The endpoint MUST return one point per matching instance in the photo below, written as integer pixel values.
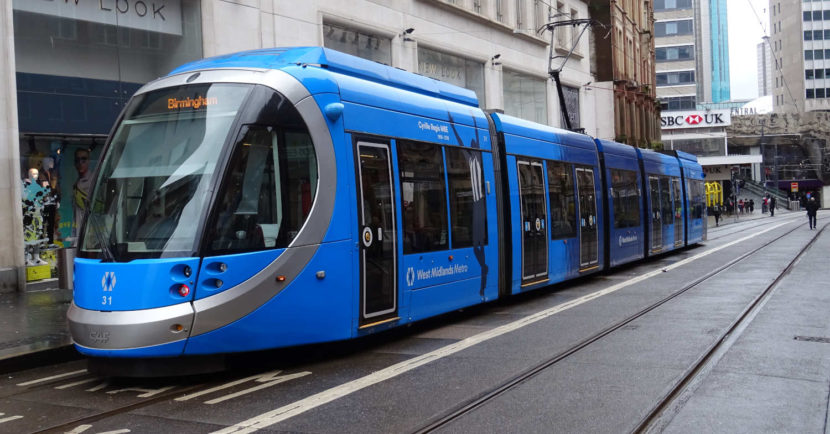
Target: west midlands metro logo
(108, 281)
(410, 276)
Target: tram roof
(521, 127)
(278, 58)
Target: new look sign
(695, 119)
(161, 16)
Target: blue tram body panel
(139, 284)
(624, 244)
(313, 290)
(695, 209)
(663, 167)
(527, 142)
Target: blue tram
(282, 197)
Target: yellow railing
(714, 194)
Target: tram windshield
(154, 183)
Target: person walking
(812, 209)
(772, 206)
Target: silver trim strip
(128, 329)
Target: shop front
(77, 64)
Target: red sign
(794, 187)
(694, 119)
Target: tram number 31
(106, 300)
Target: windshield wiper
(106, 253)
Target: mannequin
(33, 200)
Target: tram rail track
(481, 399)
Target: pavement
(33, 328)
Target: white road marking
(77, 383)
(43, 380)
(10, 418)
(98, 387)
(276, 381)
(288, 411)
(118, 431)
(268, 376)
(79, 429)
(147, 392)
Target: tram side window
(626, 198)
(267, 193)
(697, 199)
(665, 201)
(468, 213)
(562, 200)
(423, 197)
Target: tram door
(678, 212)
(534, 217)
(378, 261)
(588, 234)
(656, 223)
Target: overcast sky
(745, 33)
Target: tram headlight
(184, 290)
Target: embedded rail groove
(660, 415)
(481, 399)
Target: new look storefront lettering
(161, 16)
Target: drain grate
(812, 339)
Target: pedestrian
(740, 206)
(772, 206)
(716, 213)
(812, 208)
(751, 206)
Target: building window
(818, 54)
(827, 14)
(811, 94)
(816, 15)
(820, 93)
(817, 35)
(808, 54)
(808, 74)
(452, 69)
(678, 103)
(819, 73)
(673, 28)
(675, 78)
(671, 5)
(808, 35)
(669, 54)
(807, 16)
(525, 97)
(571, 95)
(357, 43)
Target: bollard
(66, 267)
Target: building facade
(764, 58)
(692, 53)
(73, 65)
(624, 66)
(801, 45)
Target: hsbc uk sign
(695, 119)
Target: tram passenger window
(267, 192)
(562, 200)
(626, 197)
(468, 213)
(665, 201)
(423, 197)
